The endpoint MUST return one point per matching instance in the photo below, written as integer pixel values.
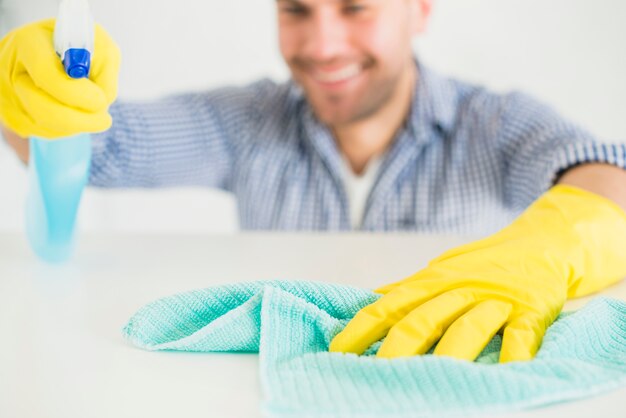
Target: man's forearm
(603, 179)
(20, 145)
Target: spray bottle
(59, 168)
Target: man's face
(349, 55)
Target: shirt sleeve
(538, 145)
(183, 140)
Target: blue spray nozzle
(77, 62)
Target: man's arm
(568, 243)
(181, 140)
(536, 143)
(19, 145)
(603, 179)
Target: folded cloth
(291, 324)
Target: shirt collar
(431, 116)
(433, 105)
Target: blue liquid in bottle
(58, 174)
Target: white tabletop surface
(61, 349)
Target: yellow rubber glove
(568, 243)
(39, 99)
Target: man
(365, 137)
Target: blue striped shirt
(466, 160)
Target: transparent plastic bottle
(59, 168)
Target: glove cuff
(598, 226)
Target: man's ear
(420, 13)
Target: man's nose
(327, 36)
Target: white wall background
(570, 53)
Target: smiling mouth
(336, 76)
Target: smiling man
(355, 63)
(364, 137)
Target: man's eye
(353, 8)
(294, 11)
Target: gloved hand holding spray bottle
(59, 169)
(57, 80)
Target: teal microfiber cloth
(291, 324)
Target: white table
(62, 353)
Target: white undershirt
(358, 188)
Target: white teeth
(338, 75)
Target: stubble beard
(373, 98)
